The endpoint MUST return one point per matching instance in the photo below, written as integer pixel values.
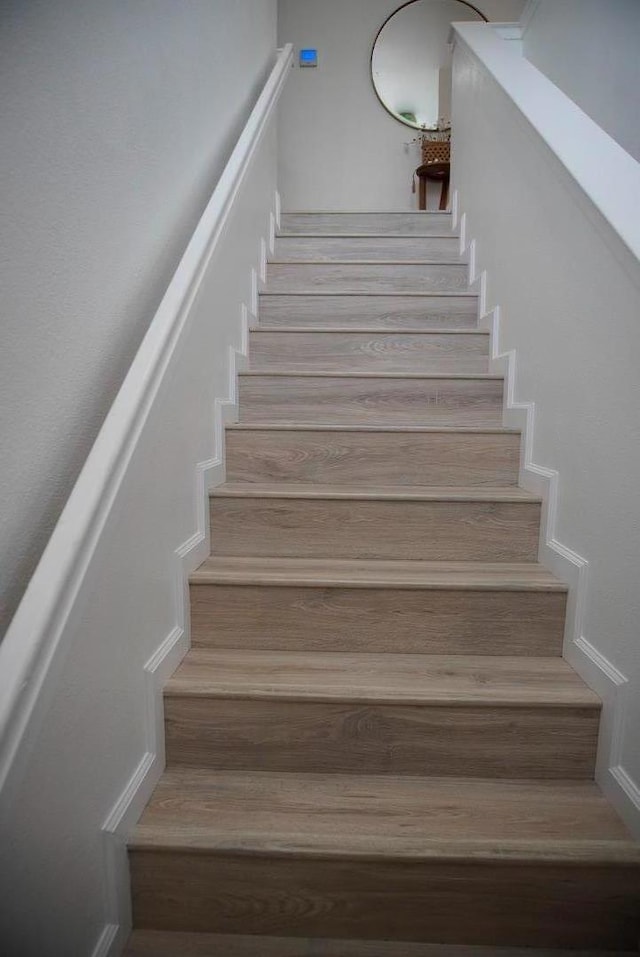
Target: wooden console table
(435, 171)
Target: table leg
(422, 192)
(444, 193)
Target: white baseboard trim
(108, 941)
(254, 291)
(454, 211)
(263, 260)
(278, 209)
(475, 281)
(128, 807)
(623, 784)
(462, 245)
(272, 233)
(596, 670)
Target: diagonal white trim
(601, 674)
(108, 942)
(278, 210)
(130, 803)
(629, 786)
(38, 628)
(599, 660)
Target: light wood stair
(365, 224)
(373, 455)
(397, 606)
(361, 249)
(357, 855)
(386, 311)
(356, 398)
(367, 277)
(374, 746)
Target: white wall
(560, 245)
(116, 118)
(339, 148)
(80, 752)
(591, 50)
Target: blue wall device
(308, 57)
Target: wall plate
(308, 57)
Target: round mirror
(411, 61)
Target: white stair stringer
(599, 673)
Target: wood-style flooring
(374, 746)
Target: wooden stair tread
(366, 262)
(412, 294)
(366, 248)
(341, 311)
(328, 290)
(426, 214)
(383, 816)
(355, 374)
(338, 223)
(332, 427)
(428, 680)
(368, 276)
(341, 268)
(362, 573)
(368, 330)
(159, 943)
(435, 493)
(287, 234)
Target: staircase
(374, 746)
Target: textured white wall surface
(591, 50)
(339, 148)
(560, 246)
(117, 118)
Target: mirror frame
(413, 126)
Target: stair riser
(367, 352)
(343, 528)
(373, 458)
(535, 905)
(310, 400)
(328, 737)
(407, 224)
(385, 312)
(154, 943)
(301, 249)
(359, 278)
(412, 621)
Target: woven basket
(435, 151)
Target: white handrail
(606, 173)
(39, 623)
